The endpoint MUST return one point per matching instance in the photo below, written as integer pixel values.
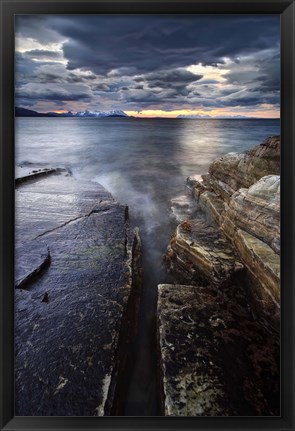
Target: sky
(149, 65)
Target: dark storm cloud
(47, 72)
(25, 102)
(260, 74)
(162, 86)
(100, 87)
(246, 98)
(269, 79)
(47, 78)
(76, 78)
(155, 95)
(175, 78)
(36, 27)
(102, 43)
(143, 98)
(143, 59)
(28, 70)
(43, 53)
(53, 92)
(24, 65)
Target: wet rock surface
(219, 319)
(26, 174)
(32, 258)
(77, 262)
(216, 359)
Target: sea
(144, 163)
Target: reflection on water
(143, 163)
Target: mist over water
(143, 163)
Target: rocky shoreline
(77, 282)
(219, 319)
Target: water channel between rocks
(144, 164)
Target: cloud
(122, 71)
(142, 97)
(103, 43)
(54, 92)
(24, 63)
(44, 55)
(37, 28)
(143, 61)
(100, 87)
(177, 78)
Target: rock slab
(74, 314)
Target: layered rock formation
(228, 249)
(244, 169)
(199, 252)
(77, 280)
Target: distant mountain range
(218, 117)
(23, 112)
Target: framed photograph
(147, 215)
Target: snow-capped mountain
(194, 116)
(218, 117)
(115, 113)
(22, 112)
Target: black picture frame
(286, 9)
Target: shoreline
(211, 276)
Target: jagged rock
(244, 169)
(194, 180)
(198, 252)
(215, 359)
(257, 211)
(183, 207)
(212, 205)
(218, 187)
(262, 262)
(218, 342)
(196, 184)
(254, 210)
(74, 320)
(251, 222)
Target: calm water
(144, 163)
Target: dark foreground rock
(219, 323)
(216, 359)
(76, 297)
